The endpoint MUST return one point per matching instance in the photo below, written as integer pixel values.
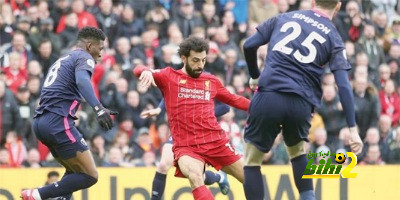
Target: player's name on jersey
(312, 22)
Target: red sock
(202, 193)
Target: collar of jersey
(320, 13)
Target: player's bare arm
(146, 79)
(355, 141)
(150, 113)
(153, 112)
(145, 75)
(253, 84)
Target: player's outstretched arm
(86, 89)
(153, 112)
(233, 100)
(347, 101)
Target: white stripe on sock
(36, 194)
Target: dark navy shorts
(273, 112)
(59, 134)
(169, 141)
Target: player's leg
(297, 155)
(166, 162)
(253, 184)
(193, 169)
(295, 131)
(84, 175)
(68, 145)
(222, 156)
(220, 177)
(68, 171)
(263, 125)
(235, 170)
(211, 177)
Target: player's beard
(191, 72)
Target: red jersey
(14, 79)
(190, 105)
(390, 105)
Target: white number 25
(281, 45)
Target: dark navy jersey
(301, 45)
(60, 94)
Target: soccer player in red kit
(189, 98)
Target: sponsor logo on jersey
(193, 93)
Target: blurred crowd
(34, 33)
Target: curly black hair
(193, 43)
(91, 33)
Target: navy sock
(211, 178)
(68, 196)
(67, 185)
(158, 186)
(253, 184)
(299, 165)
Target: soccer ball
(340, 158)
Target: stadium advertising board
(372, 182)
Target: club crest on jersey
(90, 62)
(207, 85)
(182, 81)
(83, 142)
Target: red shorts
(217, 154)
